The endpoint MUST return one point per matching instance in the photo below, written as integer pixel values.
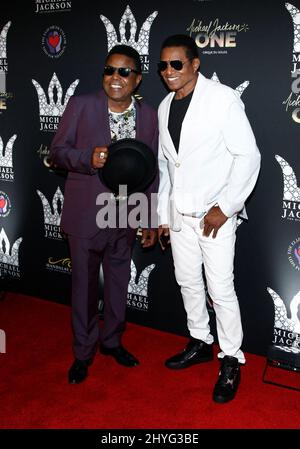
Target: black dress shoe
(228, 381)
(79, 371)
(121, 355)
(196, 351)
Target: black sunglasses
(122, 71)
(176, 64)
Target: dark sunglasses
(176, 64)
(122, 71)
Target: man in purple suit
(88, 126)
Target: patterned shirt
(122, 124)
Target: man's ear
(138, 79)
(196, 64)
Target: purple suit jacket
(84, 126)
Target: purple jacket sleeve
(64, 152)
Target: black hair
(182, 40)
(128, 51)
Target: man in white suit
(209, 163)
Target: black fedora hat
(130, 162)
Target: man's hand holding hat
(99, 157)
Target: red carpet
(34, 392)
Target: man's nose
(116, 75)
(169, 69)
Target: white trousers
(190, 250)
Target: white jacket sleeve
(240, 142)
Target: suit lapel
(184, 144)
(138, 124)
(169, 140)
(102, 125)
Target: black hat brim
(130, 162)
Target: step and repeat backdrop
(53, 49)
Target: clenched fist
(99, 157)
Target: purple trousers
(112, 248)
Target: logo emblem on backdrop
(239, 90)
(51, 111)
(52, 215)
(3, 36)
(48, 6)
(3, 67)
(215, 35)
(294, 253)
(6, 162)
(137, 296)
(292, 102)
(9, 257)
(291, 191)
(5, 204)
(59, 265)
(286, 330)
(44, 153)
(141, 44)
(54, 41)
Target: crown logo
(141, 287)
(3, 36)
(295, 14)
(6, 156)
(51, 108)
(239, 90)
(52, 215)
(291, 191)
(8, 256)
(281, 320)
(142, 44)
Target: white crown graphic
(3, 36)
(52, 218)
(239, 90)
(295, 14)
(7, 256)
(291, 191)
(142, 44)
(281, 320)
(141, 287)
(6, 156)
(52, 108)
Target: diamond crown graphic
(239, 90)
(295, 14)
(6, 156)
(291, 191)
(7, 256)
(281, 320)
(52, 218)
(51, 108)
(3, 36)
(142, 44)
(141, 287)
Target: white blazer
(217, 161)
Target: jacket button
(177, 164)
